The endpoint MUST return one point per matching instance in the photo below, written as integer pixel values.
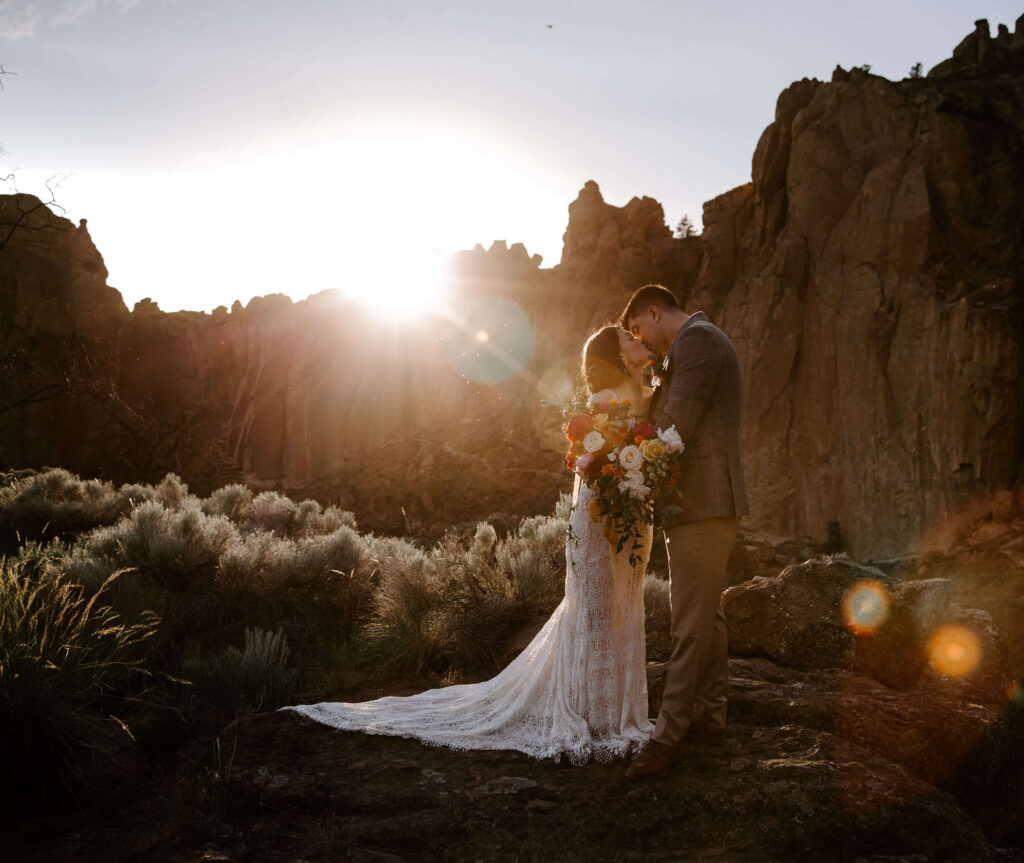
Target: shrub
(68, 665)
(533, 558)
(242, 681)
(56, 503)
(232, 501)
(563, 508)
(451, 606)
(306, 514)
(478, 605)
(402, 627)
(657, 616)
(178, 548)
(311, 583)
(273, 512)
(335, 663)
(331, 519)
(266, 563)
(171, 492)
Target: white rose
(631, 458)
(670, 437)
(632, 481)
(593, 441)
(602, 397)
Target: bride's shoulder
(604, 396)
(638, 401)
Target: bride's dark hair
(602, 366)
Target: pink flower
(584, 461)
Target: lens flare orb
(954, 651)
(488, 339)
(865, 607)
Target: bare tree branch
(21, 223)
(15, 370)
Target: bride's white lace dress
(579, 690)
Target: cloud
(71, 10)
(18, 19)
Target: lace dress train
(579, 690)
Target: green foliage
(685, 228)
(69, 664)
(241, 681)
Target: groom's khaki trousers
(697, 675)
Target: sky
(225, 149)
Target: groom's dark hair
(648, 295)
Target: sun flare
(370, 212)
(399, 288)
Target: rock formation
(979, 52)
(870, 275)
(275, 393)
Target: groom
(700, 395)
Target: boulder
(831, 613)
(796, 617)
(896, 651)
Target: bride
(579, 690)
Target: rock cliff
(870, 276)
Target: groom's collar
(694, 318)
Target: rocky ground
(817, 765)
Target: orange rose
(577, 427)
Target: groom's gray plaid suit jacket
(700, 395)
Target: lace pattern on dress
(579, 690)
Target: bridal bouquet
(627, 462)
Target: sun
(397, 287)
(370, 209)
(407, 196)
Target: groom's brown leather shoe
(652, 762)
